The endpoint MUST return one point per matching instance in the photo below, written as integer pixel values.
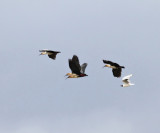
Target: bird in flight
(126, 81)
(77, 70)
(51, 54)
(116, 68)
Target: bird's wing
(111, 63)
(51, 51)
(74, 65)
(52, 56)
(43, 50)
(117, 72)
(126, 81)
(83, 67)
(127, 77)
(71, 65)
(107, 62)
(75, 60)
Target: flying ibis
(116, 68)
(77, 70)
(51, 54)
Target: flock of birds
(78, 71)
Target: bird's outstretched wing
(111, 63)
(52, 56)
(51, 51)
(75, 60)
(43, 50)
(117, 72)
(71, 65)
(74, 65)
(127, 77)
(83, 67)
(107, 62)
(126, 81)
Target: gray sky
(34, 95)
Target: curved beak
(66, 75)
(67, 78)
(106, 66)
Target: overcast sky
(34, 95)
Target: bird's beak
(67, 78)
(106, 66)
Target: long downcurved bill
(43, 53)
(68, 74)
(106, 66)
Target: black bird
(77, 70)
(51, 54)
(116, 68)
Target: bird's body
(77, 70)
(51, 54)
(116, 68)
(126, 81)
(72, 76)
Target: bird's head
(107, 65)
(43, 53)
(68, 74)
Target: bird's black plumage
(111, 63)
(51, 54)
(116, 68)
(75, 66)
(117, 72)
